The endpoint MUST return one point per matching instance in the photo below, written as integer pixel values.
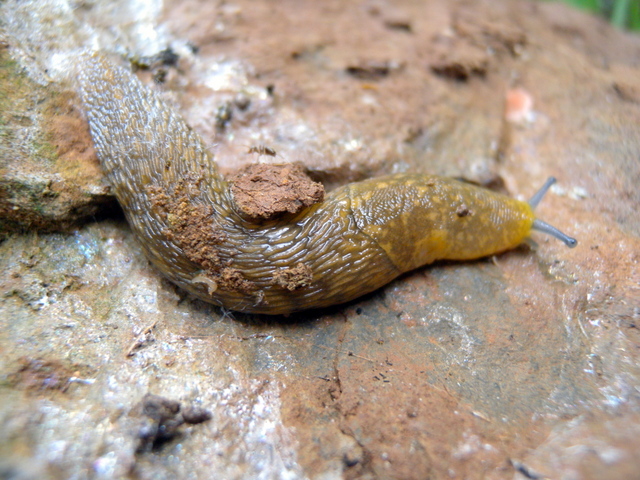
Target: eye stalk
(544, 227)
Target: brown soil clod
(192, 227)
(161, 419)
(263, 191)
(233, 280)
(294, 278)
(190, 224)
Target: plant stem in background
(620, 13)
(634, 16)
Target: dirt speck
(464, 211)
(263, 191)
(372, 69)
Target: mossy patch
(49, 175)
(20, 100)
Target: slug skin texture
(359, 238)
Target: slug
(360, 237)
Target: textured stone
(489, 369)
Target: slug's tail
(544, 227)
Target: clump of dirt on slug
(264, 191)
(294, 278)
(191, 226)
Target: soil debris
(490, 33)
(144, 337)
(472, 46)
(161, 419)
(263, 191)
(232, 279)
(399, 24)
(372, 69)
(294, 278)
(190, 224)
(164, 58)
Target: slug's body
(359, 238)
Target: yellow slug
(359, 238)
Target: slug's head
(544, 227)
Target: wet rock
(50, 179)
(492, 368)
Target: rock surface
(525, 365)
(50, 178)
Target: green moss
(44, 150)
(10, 75)
(11, 82)
(20, 99)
